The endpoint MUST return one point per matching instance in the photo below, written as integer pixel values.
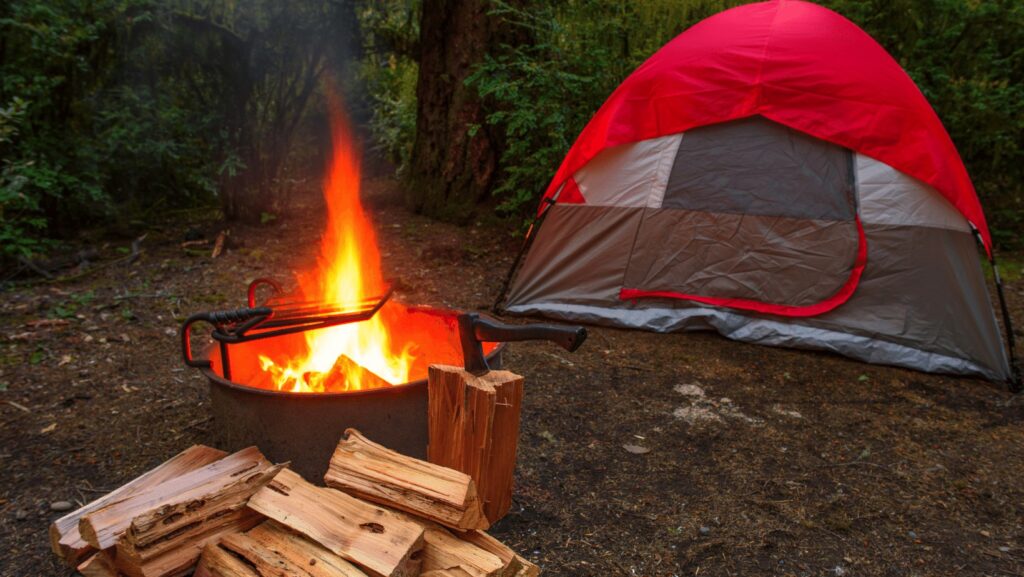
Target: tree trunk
(453, 166)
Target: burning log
(66, 540)
(382, 543)
(347, 375)
(474, 428)
(270, 550)
(374, 473)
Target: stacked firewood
(211, 514)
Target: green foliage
(392, 89)
(81, 140)
(112, 110)
(49, 51)
(543, 92)
(389, 73)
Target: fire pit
(303, 427)
(291, 372)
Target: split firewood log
(179, 560)
(474, 428)
(102, 527)
(99, 564)
(375, 473)
(455, 572)
(515, 565)
(443, 551)
(271, 550)
(381, 542)
(66, 540)
(301, 550)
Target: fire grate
(276, 317)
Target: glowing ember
(348, 271)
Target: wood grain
(375, 473)
(474, 428)
(102, 527)
(381, 542)
(66, 540)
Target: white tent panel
(887, 196)
(629, 175)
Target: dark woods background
(115, 112)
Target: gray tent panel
(629, 175)
(580, 254)
(790, 261)
(756, 166)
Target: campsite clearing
(816, 464)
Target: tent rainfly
(774, 175)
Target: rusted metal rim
(219, 380)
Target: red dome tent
(772, 174)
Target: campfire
(344, 333)
(291, 371)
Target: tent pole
(531, 233)
(1016, 383)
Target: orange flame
(348, 272)
(394, 347)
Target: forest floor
(741, 459)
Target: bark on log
(382, 543)
(474, 428)
(66, 540)
(374, 473)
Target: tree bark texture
(453, 166)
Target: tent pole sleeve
(1016, 381)
(531, 233)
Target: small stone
(689, 390)
(1004, 549)
(912, 534)
(705, 531)
(21, 515)
(60, 506)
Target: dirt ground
(642, 454)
